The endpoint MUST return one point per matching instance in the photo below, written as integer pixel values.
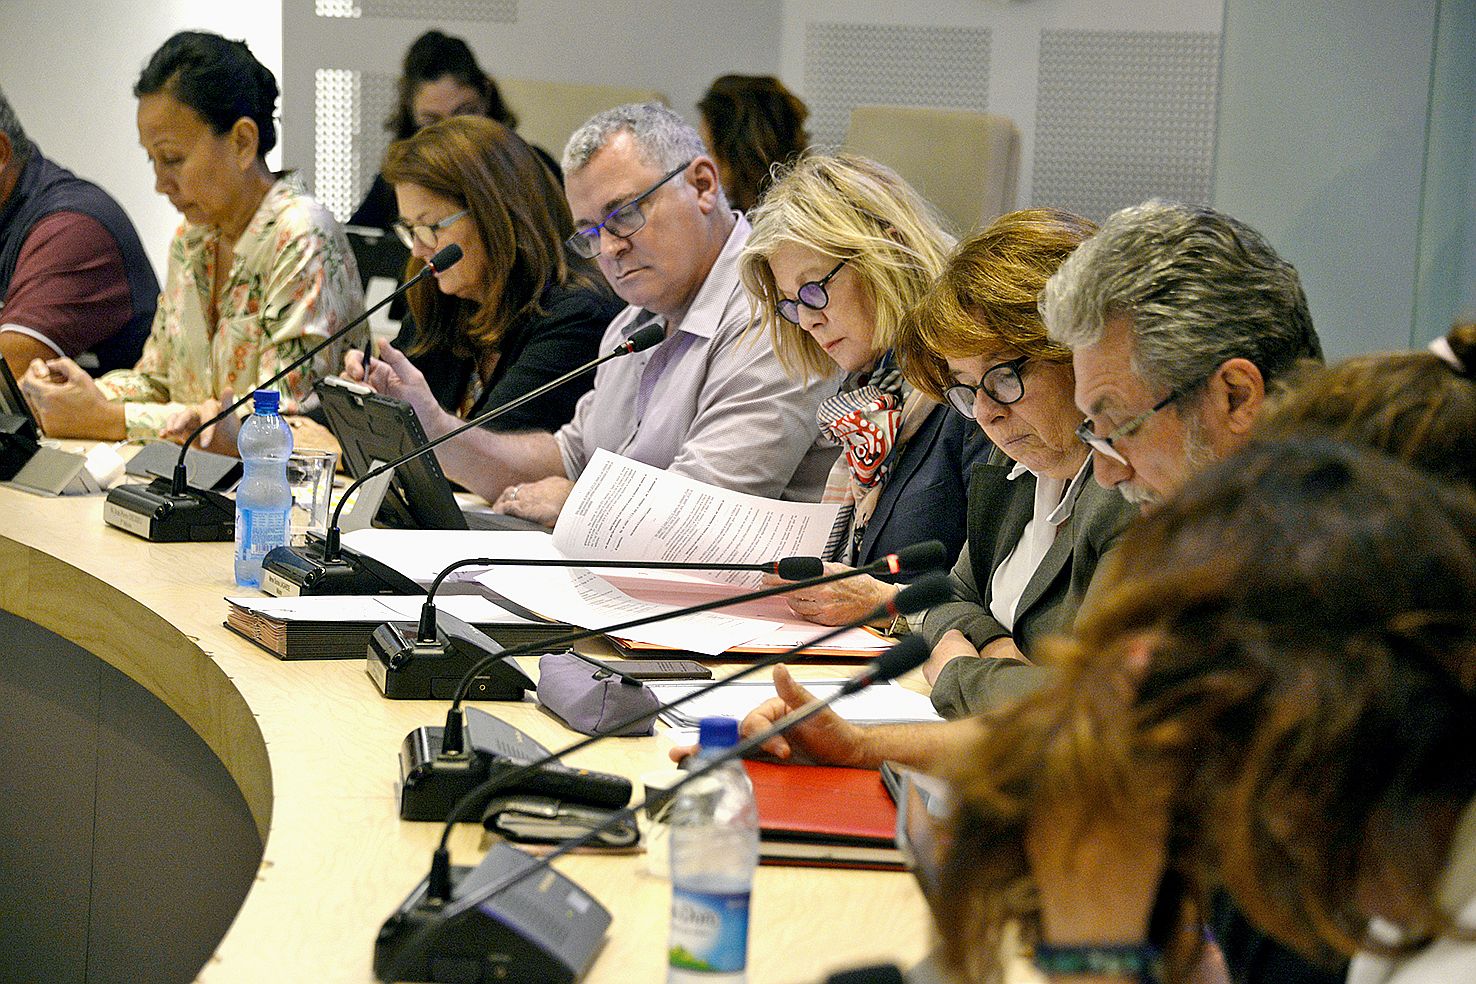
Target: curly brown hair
(1307, 703)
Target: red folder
(825, 816)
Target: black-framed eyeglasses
(1105, 444)
(411, 233)
(1001, 383)
(623, 222)
(812, 295)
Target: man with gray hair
(1177, 317)
(73, 277)
(711, 401)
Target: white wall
(69, 71)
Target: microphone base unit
(544, 928)
(159, 515)
(404, 668)
(431, 783)
(293, 571)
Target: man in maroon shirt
(73, 277)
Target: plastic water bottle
(714, 849)
(264, 497)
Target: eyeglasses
(1104, 444)
(1001, 383)
(812, 295)
(425, 235)
(624, 222)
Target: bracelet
(1140, 960)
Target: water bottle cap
(266, 401)
(717, 732)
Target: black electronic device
(20, 434)
(546, 820)
(664, 669)
(546, 930)
(170, 510)
(405, 668)
(302, 570)
(372, 429)
(432, 782)
(336, 565)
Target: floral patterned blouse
(293, 281)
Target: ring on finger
(512, 493)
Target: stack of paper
(886, 703)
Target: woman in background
(258, 273)
(516, 311)
(750, 123)
(440, 79)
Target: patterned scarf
(869, 423)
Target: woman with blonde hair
(841, 248)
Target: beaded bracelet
(1140, 960)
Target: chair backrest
(965, 163)
(549, 112)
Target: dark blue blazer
(926, 495)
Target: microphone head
(645, 338)
(906, 655)
(799, 568)
(920, 557)
(445, 257)
(930, 590)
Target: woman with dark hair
(1276, 696)
(440, 79)
(258, 272)
(750, 123)
(516, 310)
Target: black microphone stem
(491, 786)
(481, 664)
(800, 714)
(180, 481)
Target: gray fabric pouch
(590, 700)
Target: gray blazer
(998, 513)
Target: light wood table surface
(313, 748)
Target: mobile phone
(663, 669)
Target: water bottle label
(709, 931)
(260, 530)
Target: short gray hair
(664, 138)
(1198, 287)
(10, 125)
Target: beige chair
(965, 163)
(548, 112)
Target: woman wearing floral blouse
(258, 272)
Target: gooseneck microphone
(930, 590)
(170, 510)
(446, 769)
(427, 927)
(430, 642)
(327, 570)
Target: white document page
(576, 596)
(626, 510)
(422, 554)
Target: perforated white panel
(349, 135)
(430, 11)
(1123, 116)
(849, 65)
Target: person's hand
(394, 375)
(219, 437)
(539, 502)
(67, 402)
(826, 738)
(838, 602)
(951, 646)
(353, 362)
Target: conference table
(312, 748)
